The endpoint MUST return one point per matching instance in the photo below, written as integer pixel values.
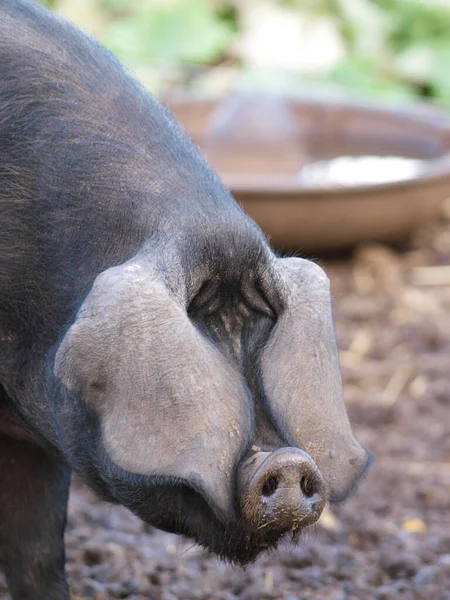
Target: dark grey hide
(150, 339)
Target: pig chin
(271, 494)
(181, 510)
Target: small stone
(295, 574)
(301, 558)
(93, 588)
(402, 585)
(400, 565)
(312, 576)
(414, 525)
(444, 561)
(256, 592)
(443, 547)
(342, 573)
(439, 544)
(349, 587)
(154, 578)
(385, 592)
(92, 555)
(374, 577)
(426, 575)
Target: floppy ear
(302, 380)
(168, 401)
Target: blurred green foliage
(413, 57)
(186, 31)
(393, 48)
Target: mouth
(175, 506)
(241, 545)
(183, 511)
(237, 541)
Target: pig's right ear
(301, 376)
(168, 402)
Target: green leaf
(366, 25)
(47, 3)
(361, 74)
(415, 63)
(186, 31)
(114, 5)
(415, 22)
(439, 76)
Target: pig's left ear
(302, 380)
(168, 402)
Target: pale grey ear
(302, 380)
(168, 402)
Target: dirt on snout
(391, 540)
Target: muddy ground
(392, 538)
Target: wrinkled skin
(150, 339)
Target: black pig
(150, 340)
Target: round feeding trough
(324, 175)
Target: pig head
(217, 404)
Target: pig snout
(281, 490)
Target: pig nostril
(270, 486)
(308, 487)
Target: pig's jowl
(150, 339)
